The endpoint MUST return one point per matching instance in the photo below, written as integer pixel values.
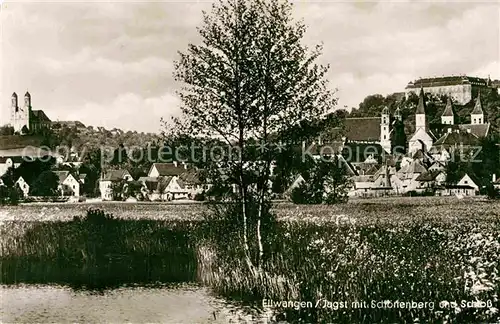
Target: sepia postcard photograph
(249, 161)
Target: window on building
(385, 136)
(479, 120)
(474, 120)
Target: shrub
(95, 216)
(492, 192)
(306, 194)
(199, 197)
(8, 195)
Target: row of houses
(69, 183)
(164, 181)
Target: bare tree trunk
(246, 248)
(259, 234)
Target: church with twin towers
(24, 119)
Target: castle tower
(448, 117)
(385, 139)
(477, 114)
(420, 120)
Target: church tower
(20, 116)
(385, 138)
(14, 104)
(398, 135)
(477, 114)
(420, 120)
(27, 100)
(398, 117)
(421, 140)
(448, 117)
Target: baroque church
(24, 119)
(427, 135)
(369, 138)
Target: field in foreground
(443, 253)
(380, 208)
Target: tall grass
(98, 250)
(394, 253)
(353, 253)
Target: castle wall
(461, 93)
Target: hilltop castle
(24, 119)
(461, 88)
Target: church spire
(448, 117)
(420, 118)
(477, 114)
(478, 107)
(421, 103)
(448, 111)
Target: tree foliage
(45, 184)
(249, 82)
(326, 182)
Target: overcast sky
(110, 64)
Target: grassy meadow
(423, 250)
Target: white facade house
(107, 180)
(69, 184)
(9, 162)
(23, 185)
(166, 181)
(465, 187)
(467, 181)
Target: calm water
(168, 304)
(111, 272)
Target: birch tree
(249, 81)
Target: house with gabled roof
(431, 179)
(69, 183)
(7, 162)
(24, 185)
(468, 185)
(437, 166)
(362, 186)
(409, 174)
(110, 177)
(166, 169)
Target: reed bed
(102, 251)
(417, 250)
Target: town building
(23, 184)
(168, 181)
(465, 187)
(69, 184)
(110, 177)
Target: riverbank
(372, 251)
